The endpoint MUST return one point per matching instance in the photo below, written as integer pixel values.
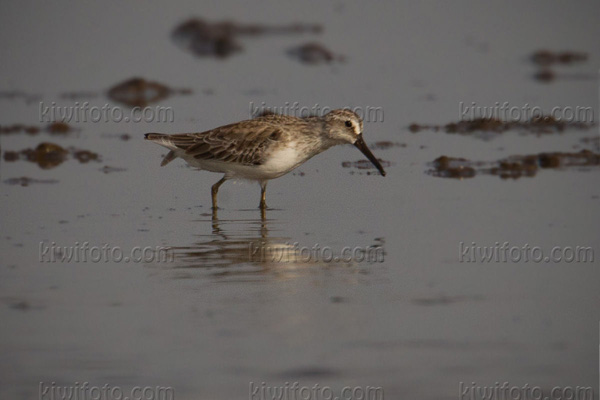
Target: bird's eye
(349, 124)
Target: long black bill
(362, 146)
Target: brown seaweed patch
(46, 155)
(537, 125)
(55, 128)
(544, 75)
(517, 167)
(584, 158)
(547, 57)
(59, 128)
(366, 165)
(415, 128)
(50, 155)
(512, 167)
(138, 92)
(25, 181)
(478, 124)
(451, 167)
(18, 128)
(593, 142)
(220, 39)
(544, 59)
(314, 53)
(85, 156)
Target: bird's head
(345, 126)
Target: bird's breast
(283, 159)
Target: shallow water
(416, 321)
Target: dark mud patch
(314, 53)
(365, 167)
(444, 300)
(338, 299)
(78, 95)
(25, 181)
(20, 304)
(122, 136)
(513, 167)
(55, 128)
(221, 39)
(10, 156)
(139, 92)
(20, 95)
(108, 169)
(308, 373)
(487, 128)
(50, 155)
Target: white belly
(280, 161)
(283, 160)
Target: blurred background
(423, 320)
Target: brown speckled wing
(244, 143)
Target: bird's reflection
(242, 248)
(255, 247)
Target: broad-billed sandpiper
(265, 147)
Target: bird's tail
(154, 136)
(162, 139)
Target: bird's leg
(263, 195)
(215, 190)
(263, 218)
